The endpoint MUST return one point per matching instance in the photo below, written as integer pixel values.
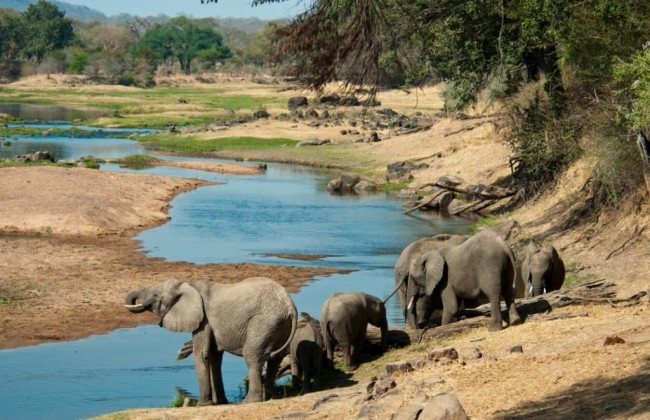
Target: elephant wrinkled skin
(416, 249)
(254, 318)
(307, 351)
(344, 319)
(542, 270)
(483, 265)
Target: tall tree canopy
(47, 29)
(182, 39)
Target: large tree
(181, 39)
(47, 29)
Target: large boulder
(297, 102)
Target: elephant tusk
(138, 306)
(410, 305)
(530, 291)
(545, 290)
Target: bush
(78, 62)
(542, 144)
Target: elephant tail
(401, 282)
(294, 326)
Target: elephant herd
(257, 319)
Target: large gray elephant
(307, 350)
(483, 265)
(543, 270)
(344, 319)
(254, 318)
(425, 306)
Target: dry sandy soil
(67, 258)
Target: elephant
(254, 318)
(401, 273)
(307, 351)
(483, 265)
(344, 319)
(543, 270)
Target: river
(242, 219)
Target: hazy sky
(223, 8)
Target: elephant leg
(449, 305)
(357, 348)
(347, 356)
(307, 372)
(295, 373)
(255, 388)
(272, 367)
(495, 314)
(513, 315)
(203, 368)
(218, 390)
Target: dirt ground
(67, 258)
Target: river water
(243, 219)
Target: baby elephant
(344, 319)
(542, 270)
(307, 354)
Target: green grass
(393, 186)
(138, 161)
(169, 141)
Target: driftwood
(439, 200)
(481, 195)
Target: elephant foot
(495, 327)
(203, 403)
(516, 321)
(252, 399)
(351, 368)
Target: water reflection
(243, 219)
(31, 112)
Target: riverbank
(565, 369)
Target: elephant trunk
(538, 285)
(133, 297)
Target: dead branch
(485, 196)
(636, 234)
(426, 202)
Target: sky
(194, 8)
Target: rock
(324, 399)
(330, 99)
(450, 180)
(261, 113)
(403, 366)
(614, 339)
(296, 102)
(364, 186)
(313, 142)
(443, 352)
(374, 137)
(413, 409)
(377, 388)
(470, 354)
(325, 114)
(343, 184)
(443, 406)
(349, 101)
(517, 349)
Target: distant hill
(71, 10)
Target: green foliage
(90, 162)
(182, 39)
(47, 29)
(543, 146)
(633, 82)
(138, 161)
(196, 145)
(78, 61)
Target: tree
(47, 29)
(182, 39)
(13, 34)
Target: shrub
(542, 145)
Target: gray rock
(443, 407)
(442, 353)
(313, 142)
(297, 101)
(364, 186)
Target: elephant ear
(186, 314)
(435, 267)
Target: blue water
(242, 219)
